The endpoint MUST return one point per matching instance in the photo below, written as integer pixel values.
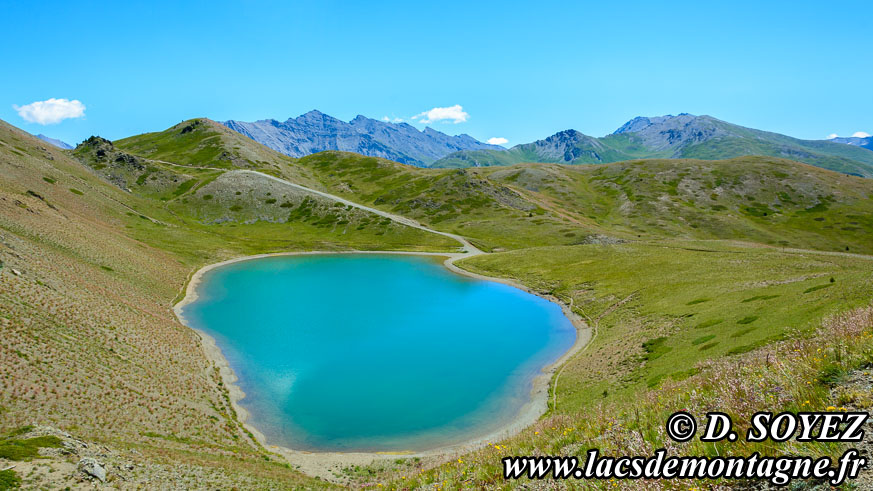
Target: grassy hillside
(747, 141)
(460, 201)
(203, 142)
(211, 204)
(90, 345)
(766, 200)
(679, 265)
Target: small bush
(748, 319)
(76, 191)
(655, 348)
(702, 339)
(816, 288)
(759, 297)
(709, 323)
(9, 480)
(743, 332)
(742, 349)
(831, 374)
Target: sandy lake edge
(324, 464)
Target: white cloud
(497, 140)
(454, 114)
(860, 134)
(392, 120)
(51, 111)
(832, 136)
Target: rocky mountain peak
(569, 136)
(668, 132)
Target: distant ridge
(316, 132)
(866, 142)
(55, 142)
(681, 136)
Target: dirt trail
(469, 249)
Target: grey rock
(91, 467)
(601, 240)
(315, 132)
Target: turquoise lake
(376, 352)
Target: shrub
(831, 374)
(697, 301)
(655, 348)
(9, 480)
(702, 339)
(816, 288)
(709, 323)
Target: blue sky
(520, 70)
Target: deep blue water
(376, 352)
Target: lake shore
(324, 464)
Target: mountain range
(316, 132)
(55, 142)
(682, 136)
